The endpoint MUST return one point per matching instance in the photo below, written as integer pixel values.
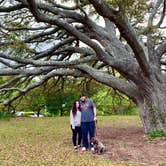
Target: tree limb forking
(45, 78)
(103, 56)
(126, 31)
(80, 71)
(43, 18)
(123, 86)
(48, 63)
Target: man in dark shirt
(88, 117)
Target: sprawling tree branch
(23, 28)
(126, 31)
(123, 86)
(53, 73)
(11, 8)
(49, 63)
(162, 15)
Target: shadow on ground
(130, 144)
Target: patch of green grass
(119, 120)
(5, 116)
(155, 134)
(47, 142)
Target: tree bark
(152, 105)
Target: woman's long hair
(74, 108)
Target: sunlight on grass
(119, 120)
(47, 142)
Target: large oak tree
(96, 39)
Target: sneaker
(83, 148)
(75, 147)
(78, 146)
(92, 149)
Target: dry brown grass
(47, 142)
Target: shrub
(4, 115)
(155, 134)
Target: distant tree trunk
(38, 113)
(61, 112)
(152, 106)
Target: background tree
(92, 39)
(31, 102)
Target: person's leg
(91, 130)
(84, 129)
(74, 136)
(79, 135)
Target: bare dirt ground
(129, 144)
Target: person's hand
(73, 127)
(95, 118)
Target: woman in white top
(75, 121)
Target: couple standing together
(82, 120)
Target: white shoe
(83, 148)
(75, 148)
(92, 149)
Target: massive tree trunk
(152, 105)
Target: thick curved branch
(12, 8)
(100, 53)
(26, 72)
(6, 63)
(108, 79)
(60, 23)
(49, 63)
(55, 10)
(82, 50)
(126, 31)
(162, 15)
(60, 72)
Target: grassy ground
(47, 142)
